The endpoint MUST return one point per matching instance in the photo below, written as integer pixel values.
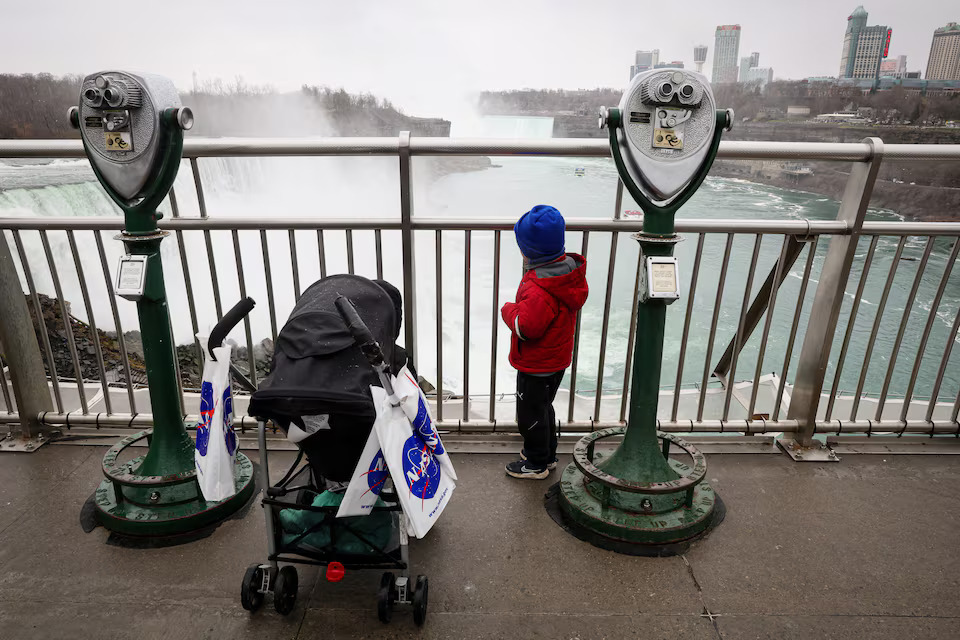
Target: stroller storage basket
(318, 393)
(297, 493)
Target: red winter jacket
(543, 319)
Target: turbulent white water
(368, 188)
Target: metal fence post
(22, 352)
(406, 234)
(821, 328)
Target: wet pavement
(867, 548)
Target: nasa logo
(206, 416)
(420, 468)
(424, 426)
(377, 474)
(229, 435)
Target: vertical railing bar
(824, 316)
(741, 326)
(625, 393)
(202, 203)
(439, 271)
(3, 387)
(956, 403)
(91, 321)
(718, 301)
(176, 365)
(944, 361)
(251, 359)
(850, 325)
(611, 267)
(41, 325)
(876, 326)
(349, 240)
(174, 207)
(271, 304)
(688, 315)
(771, 308)
(788, 356)
(294, 263)
(931, 318)
(907, 308)
(214, 281)
(378, 240)
(187, 280)
(495, 325)
(108, 281)
(407, 244)
(466, 325)
(67, 328)
(175, 211)
(576, 341)
(197, 183)
(618, 201)
(322, 251)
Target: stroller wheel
(250, 597)
(385, 597)
(285, 590)
(420, 594)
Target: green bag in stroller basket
(375, 527)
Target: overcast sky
(427, 55)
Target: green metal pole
(171, 448)
(638, 458)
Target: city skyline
(430, 57)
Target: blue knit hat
(540, 233)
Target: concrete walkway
(867, 548)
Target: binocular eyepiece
(121, 117)
(665, 125)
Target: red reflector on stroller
(335, 572)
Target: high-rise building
(944, 60)
(676, 64)
(894, 67)
(644, 60)
(700, 56)
(726, 49)
(758, 76)
(746, 63)
(864, 48)
(755, 59)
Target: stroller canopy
(317, 367)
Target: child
(542, 322)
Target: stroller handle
(361, 334)
(230, 319)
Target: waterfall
(513, 127)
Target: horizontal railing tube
(832, 427)
(437, 146)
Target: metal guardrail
(798, 239)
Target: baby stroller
(318, 393)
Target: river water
(367, 187)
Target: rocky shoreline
(924, 203)
(189, 356)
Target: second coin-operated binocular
(663, 132)
(125, 120)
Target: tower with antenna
(700, 56)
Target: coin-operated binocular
(132, 130)
(664, 138)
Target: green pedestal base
(175, 509)
(582, 508)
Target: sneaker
(551, 466)
(525, 470)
